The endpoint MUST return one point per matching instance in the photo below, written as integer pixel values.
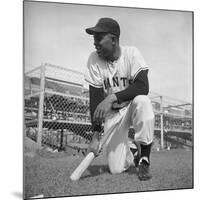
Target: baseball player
(118, 88)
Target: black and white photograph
(107, 99)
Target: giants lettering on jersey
(116, 82)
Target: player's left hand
(95, 144)
(103, 108)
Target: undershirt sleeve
(139, 86)
(96, 97)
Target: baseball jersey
(114, 76)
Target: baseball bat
(88, 159)
(82, 167)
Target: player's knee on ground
(115, 170)
(116, 165)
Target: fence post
(41, 103)
(161, 123)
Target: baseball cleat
(143, 173)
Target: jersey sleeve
(92, 73)
(137, 62)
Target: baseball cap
(105, 25)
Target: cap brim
(94, 30)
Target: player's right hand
(118, 106)
(103, 108)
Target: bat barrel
(82, 167)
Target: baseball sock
(145, 153)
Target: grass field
(48, 173)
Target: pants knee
(142, 99)
(115, 166)
(115, 170)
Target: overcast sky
(55, 33)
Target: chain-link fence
(57, 111)
(57, 108)
(32, 81)
(173, 121)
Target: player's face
(104, 45)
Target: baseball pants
(139, 114)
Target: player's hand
(118, 106)
(95, 144)
(103, 108)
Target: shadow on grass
(96, 170)
(131, 170)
